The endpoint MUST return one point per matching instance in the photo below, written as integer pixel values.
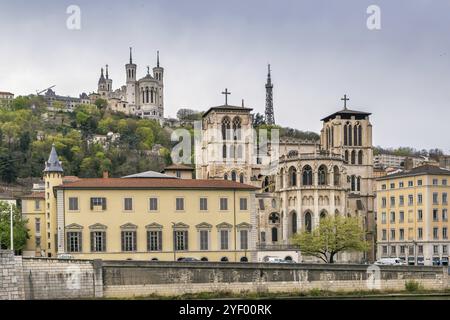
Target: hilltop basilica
(142, 97)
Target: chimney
(105, 175)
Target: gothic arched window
(323, 175)
(307, 176)
(224, 151)
(353, 157)
(360, 157)
(346, 155)
(358, 184)
(241, 178)
(226, 128)
(151, 95)
(355, 135)
(360, 135)
(237, 128)
(294, 222)
(349, 134)
(353, 183)
(345, 134)
(274, 234)
(292, 177)
(233, 175)
(146, 95)
(225, 176)
(281, 178)
(323, 214)
(308, 221)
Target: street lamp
(11, 225)
(174, 243)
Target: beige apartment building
(412, 215)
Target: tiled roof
(346, 114)
(162, 183)
(34, 195)
(227, 107)
(418, 171)
(8, 93)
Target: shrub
(413, 286)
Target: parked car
(276, 260)
(391, 262)
(188, 259)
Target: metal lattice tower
(269, 116)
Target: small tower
(108, 81)
(131, 80)
(158, 74)
(102, 85)
(269, 116)
(53, 174)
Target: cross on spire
(345, 99)
(226, 93)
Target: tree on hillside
(19, 228)
(333, 235)
(101, 103)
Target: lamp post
(174, 243)
(11, 226)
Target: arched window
(292, 177)
(146, 94)
(225, 176)
(294, 222)
(358, 184)
(307, 176)
(360, 135)
(281, 178)
(226, 128)
(224, 151)
(353, 182)
(332, 136)
(237, 128)
(265, 184)
(241, 178)
(288, 258)
(353, 157)
(151, 96)
(346, 155)
(224, 259)
(327, 137)
(143, 95)
(323, 175)
(323, 214)
(233, 175)
(204, 259)
(244, 259)
(308, 221)
(349, 134)
(355, 135)
(336, 176)
(360, 157)
(274, 234)
(345, 134)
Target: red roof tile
(34, 195)
(142, 183)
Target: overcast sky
(319, 50)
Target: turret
(102, 85)
(108, 81)
(158, 72)
(131, 69)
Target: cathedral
(311, 179)
(142, 97)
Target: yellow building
(147, 217)
(412, 215)
(33, 210)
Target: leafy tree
(19, 227)
(258, 120)
(101, 104)
(8, 168)
(333, 235)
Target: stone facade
(11, 279)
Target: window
(400, 184)
(383, 187)
(383, 202)
(263, 236)
(223, 204)
(401, 217)
(435, 182)
(37, 225)
(392, 185)
(154, 240)
(153, 204)
(384, 235)
(244, 239)
(419, 215)
(435, 215)
(444, 215)
(98, 203)
(393, 250)
(203, 204)
(98, 241)
(435, 233)
(402, 250)
(420, 249)
(224, 239)
(73, 204)
(444, 233)
(128, 241)
(180, 240)
(411, 250)
(435, 198)
(419, 198)
(392, 217)
(384, 250)
(392, 234)
(128, 204)
(444, 182)
(37, 205)
(38, 242)
(410, 183)
(444, 198)
(410, 200)
(436, 250)
(74, 242)
(401, 200)
(179, 203)
(383, 217)
(419, 182)
(243, 204)
(410, 233)
(402, 234)
(178, 173)
(444, 249)
(204, 237)
(392, 201)
(420, 233)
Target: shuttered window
(154, 240)
(129, 241)
(98, 241)
(74, 242)
(180, 240)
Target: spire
(269, 116)
(107, 76)
(131, 55)
(148, 70)
(101, 74)
(53, 164)
(243, 103)
(157, 59)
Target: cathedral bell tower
(131, 80)
(158, 74)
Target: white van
(391, 262)
(275, 260)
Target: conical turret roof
(53, 164)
